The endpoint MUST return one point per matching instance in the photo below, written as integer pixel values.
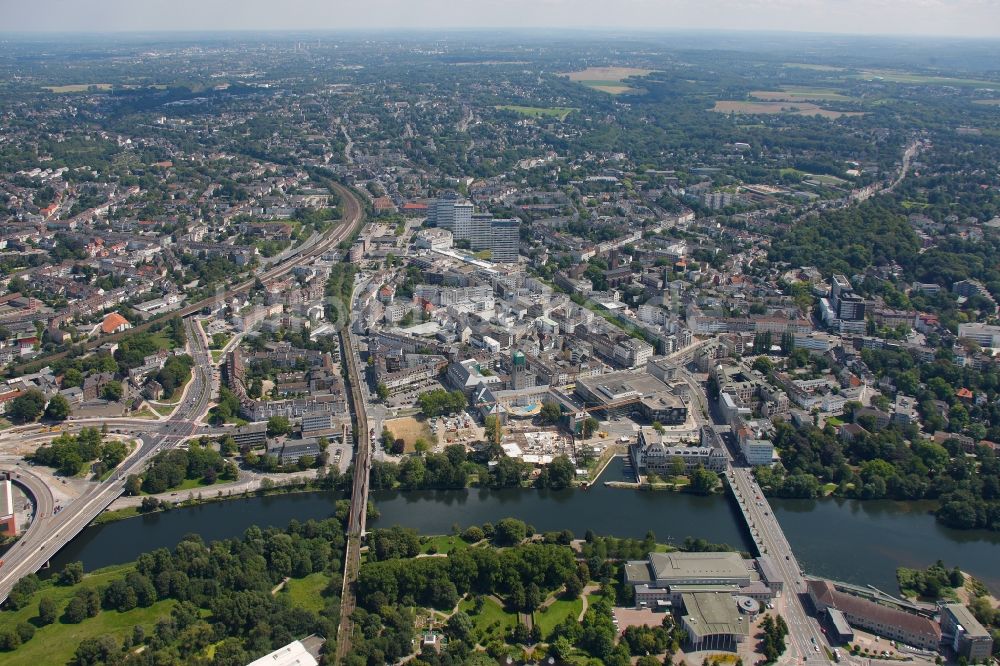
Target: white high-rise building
(453, 213)
(482, 232)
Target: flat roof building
(633, 391)
(898, 625)
(295, 653)
(969, 638)
(713, 621)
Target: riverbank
(856, 542)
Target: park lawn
(307, 592)
(547, 618)
(559, 112)
(162, 340)
(78, 87)
(163, 410)
(492, 621)
(895, 76)
(56, 643)
(593, 598)
(442, 545)
(179, 391)
(828, 488)
(117, 514)
(186, 484)
(216, 355)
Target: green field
(307, 592)
(491, 621)
(188, 485)
(818, 68)
(442, 545)
(78, 87)
(548, 617)
(796, 93)
(894, 76)
(56, 643)
(559, 112)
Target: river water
(857, 542)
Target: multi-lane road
(49, 533)
(806, 643)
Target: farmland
(607, 79)
(559, 112)
(78, 87)
(801, 93)
(795, 108)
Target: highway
(47, 537)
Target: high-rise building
(504, 240)
(838, 285)
(480, 231)
(850, 307)
(453, 213)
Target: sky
(966, 18)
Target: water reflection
(859, 542)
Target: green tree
(27, 407)
(703, 481)
(550, 413)
(58, 408)
(133, 485)
(589, 427)
(71, 574)
(47, 611)
(278, 425)
(112, 391)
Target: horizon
(968, 19)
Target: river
(858, 542)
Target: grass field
(187, 485)
(307, 592)
(163, 410)
(895, 76)
(491, 622)
(607, 79)
(795, 108)
(77, 87)
(801, 93)
(818, 68)
(56, 643)
(443, 544)
(117, 514)
(559, 112)
(824, 179)
(548, 617)
(410, 430)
